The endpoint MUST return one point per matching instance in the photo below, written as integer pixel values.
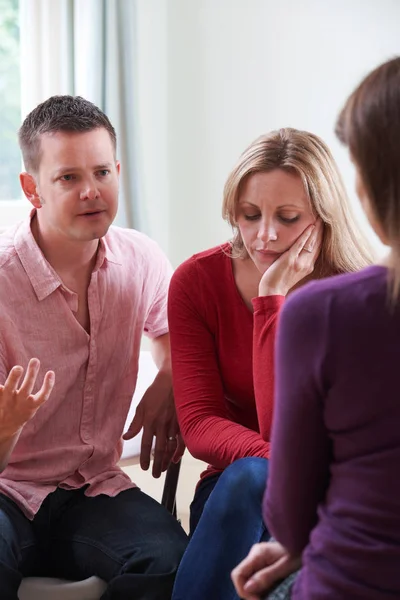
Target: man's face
(77, 184)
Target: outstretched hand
(17, 402)
(266, 564)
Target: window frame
(13, 211)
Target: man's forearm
(161, 352)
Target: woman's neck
(247, 278)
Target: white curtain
(88, 48)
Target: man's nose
(90, 191)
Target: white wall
(215, 74)
(223, 72)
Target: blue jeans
(230, 523)
(130, 541)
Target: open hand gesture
(17, 403)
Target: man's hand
(294, 264)
(266, 564)
(17, 403)
(156, 415)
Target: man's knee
(17, 540)
(9, 543)
(7, 532)
(167, 556)
(162, 554)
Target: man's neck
(68, 258)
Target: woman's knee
(250, 473)
(242, 483)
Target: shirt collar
(41, 274)
(105, 250)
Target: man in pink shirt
(75, 297)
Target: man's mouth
(89, 213)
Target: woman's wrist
(266, 290)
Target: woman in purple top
(333, 500)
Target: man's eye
(251, 217)
(67, 177)
(103, 172)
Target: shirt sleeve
(300, 457)
(266, 313)
(208, 432)
(159, 277)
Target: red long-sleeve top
(223, 361)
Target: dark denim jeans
(130, 541)
(227, 511)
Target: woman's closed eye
(252, 217)
(288, 219)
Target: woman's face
(273, 211)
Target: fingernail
(250, 585)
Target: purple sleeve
(300, 454)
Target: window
(10, 104)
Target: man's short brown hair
(59, 113)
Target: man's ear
(29, 188)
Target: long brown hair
(369, 124)
(344, 248)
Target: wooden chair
(40, 588)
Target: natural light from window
(10, 103)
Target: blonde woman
(338, 390)
(292, 222)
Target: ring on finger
(307, 249)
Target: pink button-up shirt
(75, 437)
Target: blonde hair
(344, 247)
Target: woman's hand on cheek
(294, 264)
